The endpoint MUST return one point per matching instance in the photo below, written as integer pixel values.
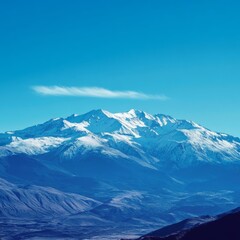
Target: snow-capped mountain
(150, 140)
(132, 170)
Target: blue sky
(180, 58)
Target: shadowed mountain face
(221, 227)
(143, 170)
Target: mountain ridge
(99, 128)
(146, 170)
(222, 227)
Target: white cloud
(96, 92)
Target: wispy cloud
(96, 92)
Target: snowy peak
(94, 114)
(133, 122)
(149, 140)
(139, 114)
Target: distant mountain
(110, 146)
(221, 227)
(144, 170)
(151, 141)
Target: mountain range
(105, 175)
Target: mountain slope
(34, 202)
(221, 227)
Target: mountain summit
(150, 140)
